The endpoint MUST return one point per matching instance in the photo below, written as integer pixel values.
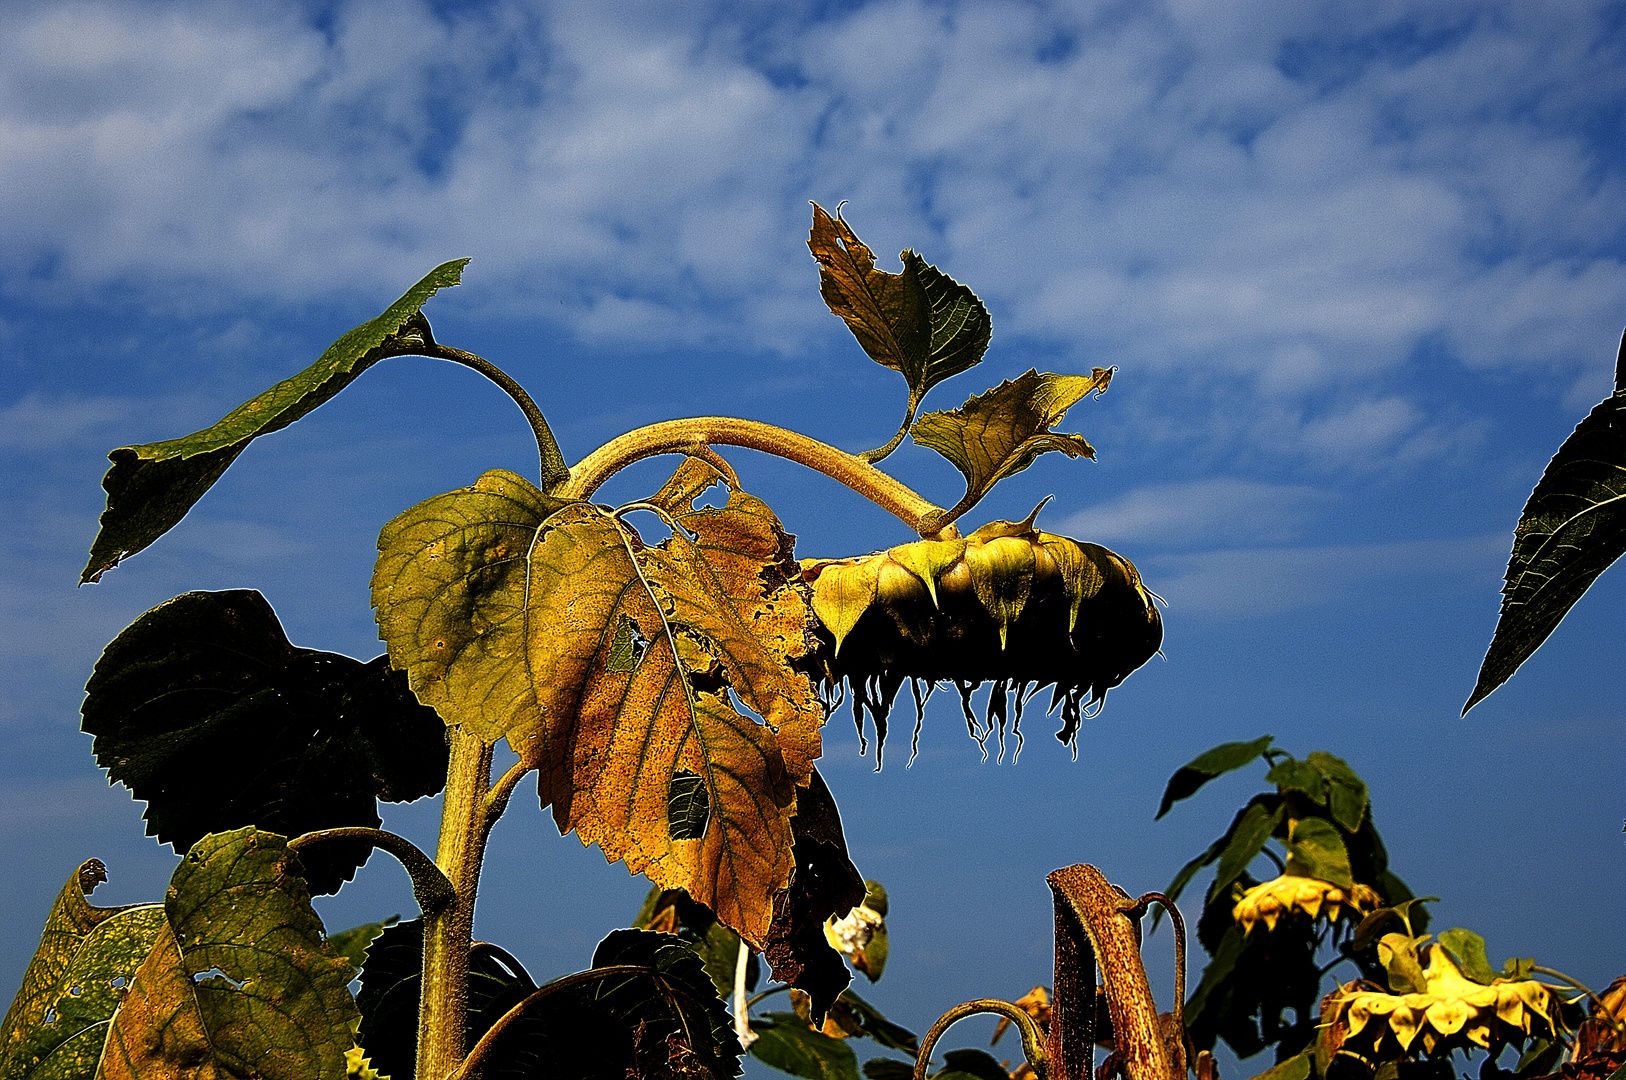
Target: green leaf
(504, 606)
(888, 1069)
(960, 326)
(1248, 838)
(1468, 949)
(203, 709)
(875, 897)
(1227, 757)
(1347, 796)
(1367, 932)
(1000, 433)
(240, 978)
(785, 1042)
(1291, 775)
(352, 944)
(673, 911)
(1398, 955)
(1572, 529)
(971, 1065)
(152, 486)
(58, 1022)
(1297, 1067)
(870, 1022)
(674, 995)
(1315, 849)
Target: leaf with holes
(207, 685)
(612, 667)
(58, 1022)
(1000, 433)
(1572, 529)
(239, 983)
(152, 486)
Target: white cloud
(1217, 511)
(1299, 198)
(1244, 583)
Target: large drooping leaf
(1227, 757)
(999, 433)
(824, 883)
(152, 486)
(673, 911)
(58, 1021)
(239, 983)
(1572, 529)
(612, 667)
(921, 323)
(203, 709)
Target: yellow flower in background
(1271, 901)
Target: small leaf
(240, 980)
(1572, 529)
(1248, 837)
(1468, 950)
(785, 1042)
(1398, 955)
(960, 325)
(1227, 757)
(352, 944)
(999, 433)
(1297, 1067)
(151, 487)
(207, 686)
(1367, 932)
(1301, 776)
(1315, 849)
(58, 1022)
(1347, 796)
(868, 1021)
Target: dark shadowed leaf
(888, 1069)
(673, 911)
(1468, 949)
(240, 981)
(825, 883)
(151, 487)
(857, 1017)
(1248, 836)
(889, 314)
(1387, 919)
(1215, 976)
(1572, 529)
(58, 1022)
(1315, 849)
(202, 708)
(999, 433)
(674, 995)
(960, 325)
(1227, 757)
(785, 1042)
(971, 1065)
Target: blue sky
(1362, 267)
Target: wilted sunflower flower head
(1289, 893)
(1454, 1012)
(1008, 605)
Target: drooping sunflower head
(1009, 605)
(1285, 895)
(1454, 1012)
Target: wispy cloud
(1222, 510)
(1297, 199)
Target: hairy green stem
(879, 453)
(431, 888)
(696, 433)
(464, 826)
(415, 339)
(1032, 1041)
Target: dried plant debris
(1009, 606)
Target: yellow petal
(842, 593)
(927, 559)
(1403, 1022)
(1448, 1015)
(1078, 572)
(1002, 574)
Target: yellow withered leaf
(610, 666)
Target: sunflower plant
(665, 697)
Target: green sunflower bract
(1009, 606)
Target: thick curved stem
(685, 436)
(416, 339)
(1032, 1041)
(431, 888)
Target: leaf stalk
(697, 433)
(1032, 1041)
(430, 887)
